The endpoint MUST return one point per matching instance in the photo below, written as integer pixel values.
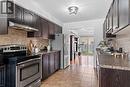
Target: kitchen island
(113, 71)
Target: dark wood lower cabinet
(2, 76)
(114, 78)
(50, 64)
(57, 60)
(45, 66)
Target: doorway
(86, 48)
(86, 45)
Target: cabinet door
(107, 23)
(28, 17)
(52, 63)
(125, 74)
(38, 25)
(3, 26)
(114, 78)
(45, 28)
(51, 28)
(45, 66)
(57, 61)
(18, 17)
(104, 29)
(115, 15)
(58, 29)
(2, 76)
(110, 19)
(105, 78)
(120, 78)
(123, 13)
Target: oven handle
(29, 60)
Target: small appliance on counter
(22, 69)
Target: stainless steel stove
(22, 69)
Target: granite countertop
(110, 61)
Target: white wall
(35, 7)
(97, 25)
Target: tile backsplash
(15, 36)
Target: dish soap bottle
(48, 48)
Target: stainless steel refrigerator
(61, 42)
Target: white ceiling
(88, 9)
(85, 31)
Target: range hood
(21, 27)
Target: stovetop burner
(18, 59)
(15, 52)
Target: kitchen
(34, 46)
(26, 55)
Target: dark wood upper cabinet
(3, 26)
(51, 28)
(107, 23)
(110, 19)
(123, 13)
(45, 28)
(104, 29)
(118, 16)
(28, 18)
(18, 15)
(115, 11)
(58, 29)
(37, 25)
(17, 18)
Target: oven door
(29, 72)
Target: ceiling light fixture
(73, 10)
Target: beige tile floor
(77, 75)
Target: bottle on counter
(48, 47)
(36, 50)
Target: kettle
(36, 50)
